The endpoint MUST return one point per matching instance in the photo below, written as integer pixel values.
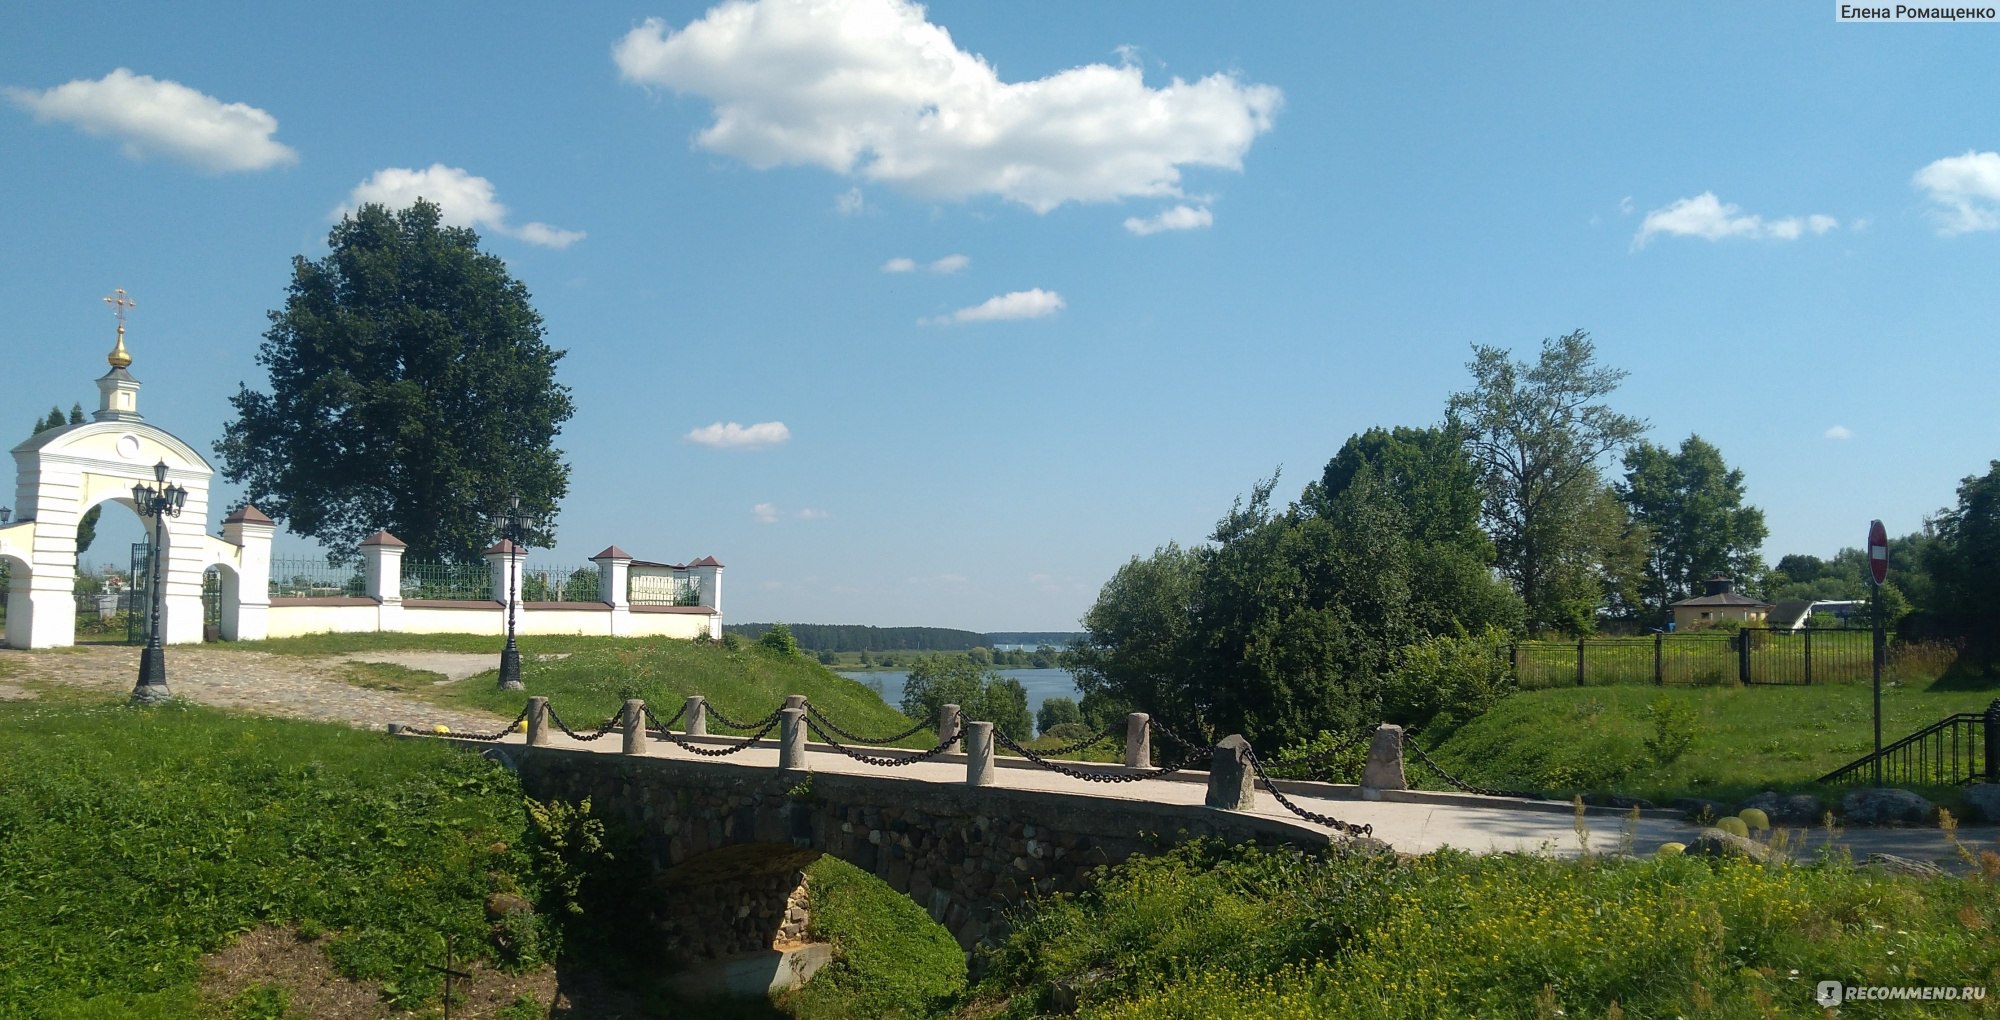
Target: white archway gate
(62, 473)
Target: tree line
(855, 637)
(1533, 508)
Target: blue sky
(1000, 295)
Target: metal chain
(655, 722)
(1090, 775)
(877, 760)
(1162, 730)
(763, 723)
(1311, 816)
(749, 741)
(1054, 752)
(856, 737)
(599, 732)
(509, 728)
(1460, 783)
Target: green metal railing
(656, 590)
(314, 577)
(459, 581)
(560, 584)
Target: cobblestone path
(299, 687)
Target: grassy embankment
(1740, 740)
(1246, 935)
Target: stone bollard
(1138, 741)
(395, 728)
(635, 726)
(1384, 770)
(792, 738)
(538, 721)
(1231, 783)
(978, 754)
(695, 716)
(795, 701)
(948, 725)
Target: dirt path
(299, 687)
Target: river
(1041, 684)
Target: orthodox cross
(119, 302)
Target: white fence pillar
(614, 582)
(246, 617)
(497, 561)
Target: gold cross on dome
(119, 302)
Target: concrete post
(1384, 770)
(708, 572)
(382, 567)
(795, 701)
(792, 738)
(614, 572)
(635, 726)
(694, 718)
(979, 754)
(497, 558)
(1231, 783)
(1138, 741)
(948, 725)
(247, 616)
(538, 721)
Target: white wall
(294, 617)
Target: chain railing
(716, 716)
(1110, 733)
(684, 744)
(609, 725)
(486, 737)
(1315, 817)
(1318, 758)
(654, 720)
(1461, 784)
(1161, 728)
(857, 738)
(882, 761)
(1091, 775)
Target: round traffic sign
(1878, 551)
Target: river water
(1041, 684)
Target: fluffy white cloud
(872, 88)
(732, 436)
(463, 200)
(1020, 304)
(1712, 219)
(812, 514)
(765, 513)
(155, 117)
(948, 264)
(1180, 217)
(849, 202)
(1966, 191)
(1840, 432)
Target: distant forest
(854, 637)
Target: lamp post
(159, 502)
(513, 527)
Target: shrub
(1057, 711)
(1441, 683)
(1069, 731)
(779, 639)
(1674, 722)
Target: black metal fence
(1754, 655)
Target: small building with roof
(1718, 602)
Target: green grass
(1745, 739)
(134, 841)
(891, 959)
(1203, 933)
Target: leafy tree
(1537, 433)
(86, 528)
(779, 639)
(1964, 564)
(411, 389)
(980, 692)
(1691, 506)
(1055, 712)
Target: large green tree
(980, 692)
(411, 390)
(1964, 564)
(1538, 433)
(86, 529)
(1696, 523)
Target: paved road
(308, 687)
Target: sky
(937, 315)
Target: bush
(891, 959)
(1057, 711)
(779, 639)
(1438, 685)
(1069, 732)
(981, 694)
(1673, 733)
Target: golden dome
(119, 356)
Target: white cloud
(849, 202)
(1180, 217)
(463, 200)
(1021, 304)
(948, 264)
(1712, 219)
(155, 117)
(1966, 191)
(872, 88)
(1625, 206)
(765, 513)
(732, 436)
(1840, 432)
(812, 514)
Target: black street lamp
(513, 527)
(158, 502)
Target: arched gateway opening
(62, 473)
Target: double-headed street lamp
(513, 527)
(159, 502)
